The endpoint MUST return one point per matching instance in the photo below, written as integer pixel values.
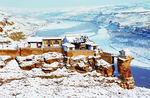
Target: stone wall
(80, 52)
(12, 53)
(29, 51)
(107, 57)
(59, 50)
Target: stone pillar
(127, 81)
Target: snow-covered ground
(64, 83)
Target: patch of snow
(26, 63)
(53, 65)
(68, 45)
(103, 63)
(82, 64)
(52, 55)
(123, 59)
(11, 71)
(3, 58)
(2, 63)
(23, 58)
(78, 57)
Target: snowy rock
(29, 62)
(27, 65)
(52, 57)
(47, 68)
(104, 68)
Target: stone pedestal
(127, 81)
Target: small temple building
(78, 42)
(44, 42)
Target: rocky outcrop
(105, 68)
(51, 61)
(127, 80)
(29, 62)
(27, 65)
(52, 57)
(36, 61)
(84, 64)
(78, 63)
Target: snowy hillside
(63, 82)
(20, 23)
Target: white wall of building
(33, 45)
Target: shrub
(17, 36)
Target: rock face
(127, 80)
(78, 63)
(85, 64)
(47, 61)
(29, 62)
(104, 67)
(104, 64)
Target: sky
(63, 3)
